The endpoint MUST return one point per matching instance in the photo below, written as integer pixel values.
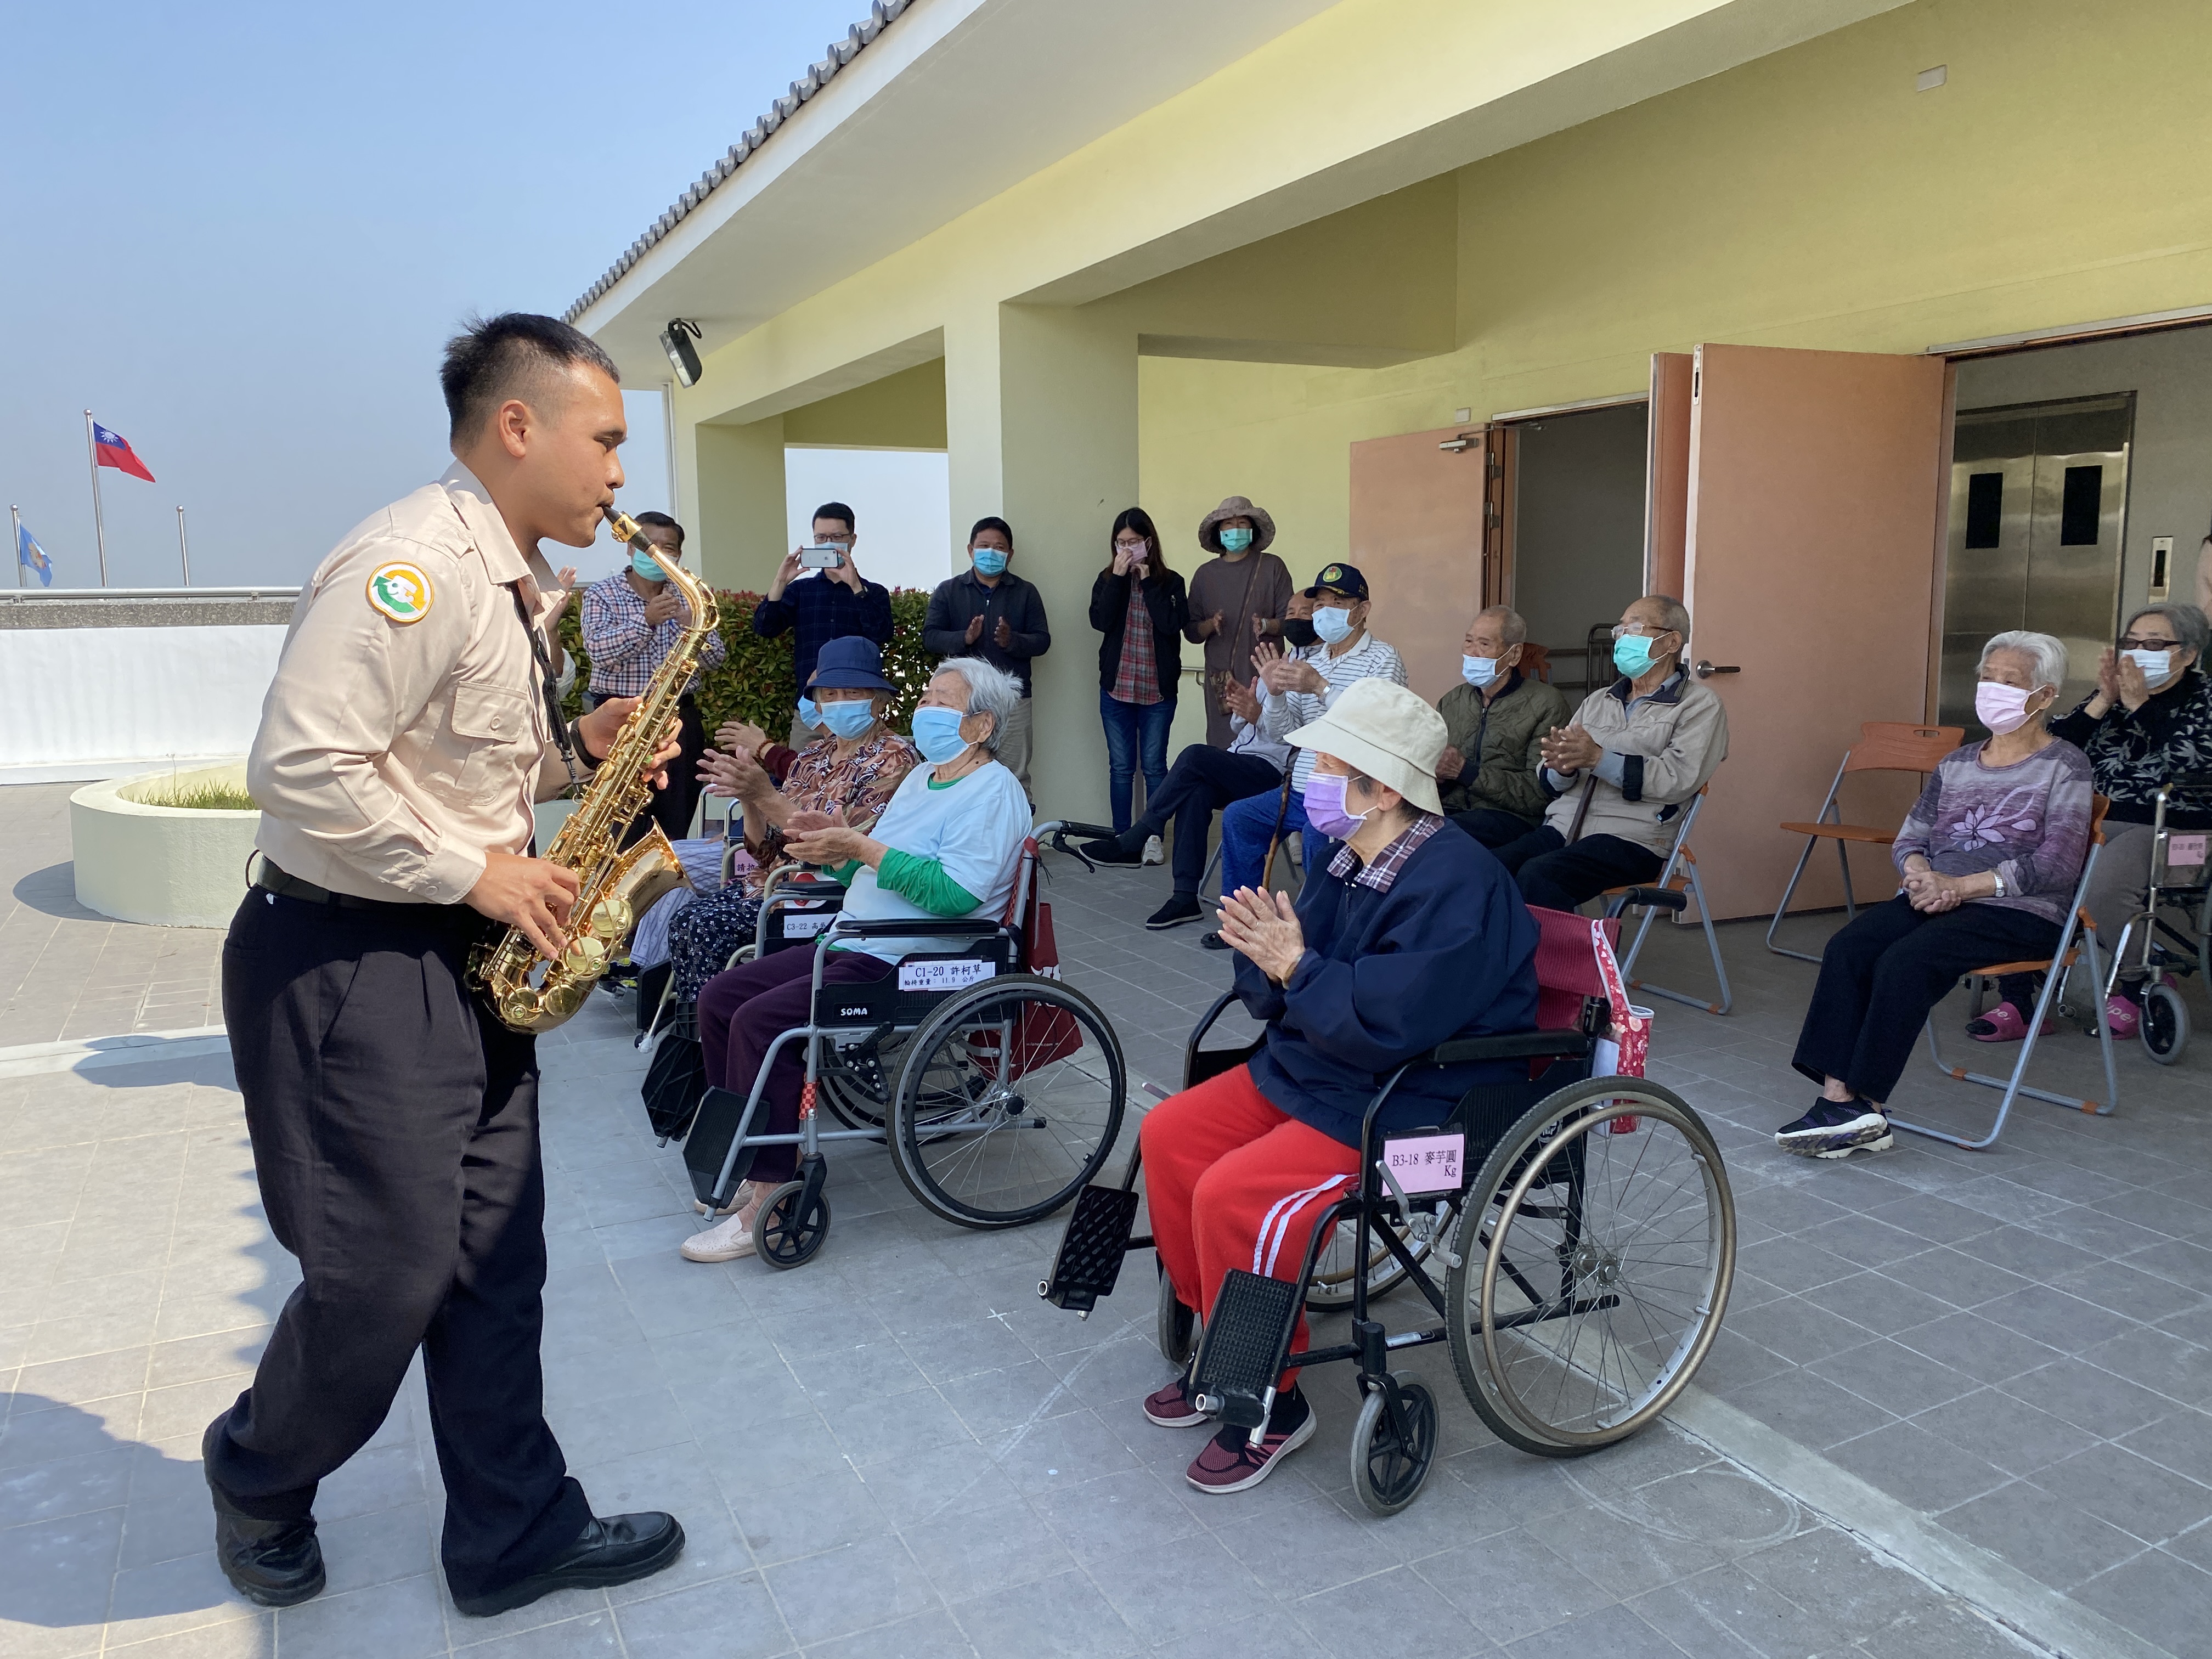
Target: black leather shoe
(273, 1564)
(613, 1550)
(1213, 941)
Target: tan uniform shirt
(404, 733)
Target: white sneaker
(726, 1242)
(1154, 852)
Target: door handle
(1706, 671)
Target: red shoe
(1171, 1408)
(2004, 1023)
(1232, 1463)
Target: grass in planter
(202, 797)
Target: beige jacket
(1662, 750)
(404, 733)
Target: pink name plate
(1427, 1163)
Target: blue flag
(32, 556)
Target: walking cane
(1275, 836)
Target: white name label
(1426, 1163)
(944, 973)
(797, 925)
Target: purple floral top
(2029, 822)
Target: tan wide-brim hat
(1381, 729)
(1237, 506)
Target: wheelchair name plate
(1427, 1163)
(798, 926)
(2183, 851)
(944, 973)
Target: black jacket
(2132, 752)
(959, 599)
(1168, 602)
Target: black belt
(274, 880)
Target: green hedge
(756, 681)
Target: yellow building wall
(1811, 199)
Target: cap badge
(401, 591)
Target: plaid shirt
(1380, 873)
(818, 610)
(623, 650)
(1137, 679)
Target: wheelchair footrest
(1247, 1338)
(707, 1148)
(1087, 1263)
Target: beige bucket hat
(1237, 506)
(1386, 732)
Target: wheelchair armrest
(1514, 1045)
(1659, 898)
(955, 928)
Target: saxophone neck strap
(567, 741)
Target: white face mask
(1478, 671)
(1333, 624)
(2157, 666)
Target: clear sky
(241, 234)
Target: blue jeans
(1133, 730)
(1245, 827)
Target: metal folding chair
(1679, 875)
(2078, 925)
(1883, 746)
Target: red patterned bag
(1624, 1051)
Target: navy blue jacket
(1449, 951)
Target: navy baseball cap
(1343, 578)
(849, 663)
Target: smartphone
(821, 558)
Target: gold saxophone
(614, 886)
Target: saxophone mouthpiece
(624, 528)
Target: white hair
(991, 690)
(2048, 655)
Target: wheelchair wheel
(1008, 1101)
(1177, 1325)
(1596, 1249)
(1331, 1285)
(2165, 1024)
(1387, 1468)
(783, 1236)
(858, 1088)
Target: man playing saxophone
(394, 1121)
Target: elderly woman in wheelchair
(1408, 938)
(948, 845)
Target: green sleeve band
(841, 872)
(924, 882)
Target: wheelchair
(998, 1090)
(2172, 932)
(1584, 1224)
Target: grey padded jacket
(1670, 744)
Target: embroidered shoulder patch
(400, 591)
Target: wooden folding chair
(2078, 926)
(1883, 746)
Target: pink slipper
(2004, 1023)
(2122, 1015)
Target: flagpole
(98, 528)
(184, 550)
(15, 524)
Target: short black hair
(838, 511)
(992, 522)
(491, 359)
(662, 521)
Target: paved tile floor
(899, 1449)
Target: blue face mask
(988, 561)
(1478, 671)
(1632, 655)
(1333, 624)
(648, 567)
(1235, 538)
(937, 734)
(810, 714)
(847, 720)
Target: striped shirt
(624, 651)
(1137, 679)
(1384, 869)
(1283, 712)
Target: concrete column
(1041, 427)
(730, 481)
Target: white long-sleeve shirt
(1282, 712)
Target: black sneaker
(1177, 911)
(1837, 1129)
(1213, 941)
(1114, 850)
(273, 1564)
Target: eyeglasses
(2131, 643)
(1643, 630)
(1130, 547)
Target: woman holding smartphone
(1140, 608)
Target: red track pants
(1231, 1181)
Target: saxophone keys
(586, 957)
(610, 918)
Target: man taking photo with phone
(819, 601)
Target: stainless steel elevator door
(2038, 509)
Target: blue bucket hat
(848, 663)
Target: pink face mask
(2003, 708)
(1325, 807)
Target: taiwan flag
(114, 450)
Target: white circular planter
(170, 866)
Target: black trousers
(1494, 829)
(672, 808)
(395, 1139)
(1557, 877)
(1201, 783)
(1881, 974)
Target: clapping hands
(1263, 926)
